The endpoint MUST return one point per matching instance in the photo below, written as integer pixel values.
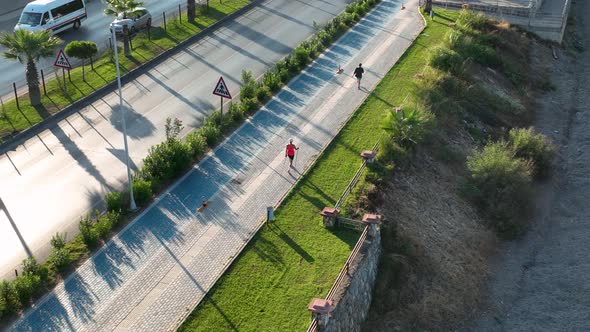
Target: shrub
(500, 184)
(248, 106)
(197, 143)
(166, 160)
(115, 201)
(235, 113)
(173, 128)
(408, 126)
(470, 20)
(535, 147)
(9, 303)
(142, 191)
(58, 241)
(301, 54)
(389, 151)
(445, 59)
(263, 93)
(211, 134)
(249, 86)
(88, 233)
(272, 80)
(30, 265)
(60, 259)
(27, 286)
(103, 227)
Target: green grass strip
(287, 263)
(13, 120)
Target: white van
(52, 15)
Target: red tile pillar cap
(321, 306)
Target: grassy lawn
(13, 120)
(287, 263)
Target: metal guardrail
(343, 273)
(355, 178)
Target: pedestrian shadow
(81, 298)
(138, 126)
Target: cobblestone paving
(157, 269)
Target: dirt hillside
(447, 271)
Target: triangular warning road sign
(62, 61)
(221, 89)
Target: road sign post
(222, 91)
(62, 62)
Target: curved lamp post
(132, 205)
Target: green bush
(197, 143)
(535, 147)
(211, 133)
(249, 86)
(166, 160)
(263, 93)
(27, 286)
(470, 20)
(301, 54)
(60, 259)
(58, 241)
(88, 232)
(115, 201)
(9, 303)
(272, 80)
(142, 191)
(445, 59)
(235, 113)
(249, 106)
(391, 152)
(30, 265)
(500, 184)
(103, 227)
(408, 126)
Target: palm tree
(124, 7)
(28, 47)
(191, 10)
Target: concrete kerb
(305, 171)
(28, 133)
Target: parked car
(140, 19)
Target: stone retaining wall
(352, 304)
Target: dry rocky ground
(447, 270)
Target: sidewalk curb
(13, 142)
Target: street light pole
(132, 205)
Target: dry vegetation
(436, 242)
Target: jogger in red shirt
(290, 151)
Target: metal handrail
(345, 269)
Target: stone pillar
(373, 221)
(330, 216)
(369, 155)
(320, 310)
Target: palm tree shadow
(42, 111)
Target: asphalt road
(61, 174)
(95, 28)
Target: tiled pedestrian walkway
(158, 269)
